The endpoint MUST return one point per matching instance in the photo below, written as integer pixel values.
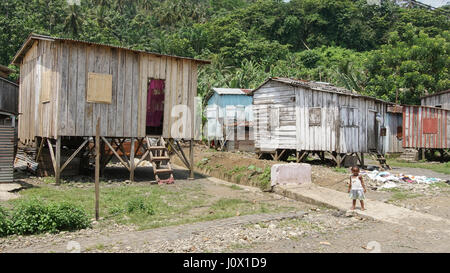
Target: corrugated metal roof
(436, 94)
(322, 86)
(319, 86)
(29, 42)
(231, 91)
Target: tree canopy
(373, 49)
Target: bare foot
(352, 208)
(363, 209)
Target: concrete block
(292, 173)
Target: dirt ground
(315, 229)
(432, 200)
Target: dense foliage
(35, 216)
(378, 50)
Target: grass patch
(437, 167)
(148, 206)
(236, 187)
(341, 170)
(399, 194)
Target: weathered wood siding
(442, 100)
(274, 101)
(426, 127)
(9, 95)
(313, 120)
(69, 114)
(394, 141)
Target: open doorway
(155, 107)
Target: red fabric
(155, 103)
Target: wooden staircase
(159, 156)
(380, 159)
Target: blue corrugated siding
(222, 101)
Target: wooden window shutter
(46, 86)
(315, 116)
(99, 88)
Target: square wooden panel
(46, 86)
(99, 88)
(430, 125)
(315, 116)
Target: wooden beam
(183, 154)
(183, 159)
(52, 154)
(115, 153)
(73, 155)
(58, 161)
(97, 170)
(41, 145)
(191, 163)
(111, 154)
(132, 152)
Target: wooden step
(157, 148)
(158, 171)
(162, 158)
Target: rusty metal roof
(319, 86)
(436, 94)
(33, 37)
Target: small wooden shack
(230, 119)
(9, 92)
(302, 117)
(426, 128)
(439, 100)
(67, 86)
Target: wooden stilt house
(302, 117)
(68, 86)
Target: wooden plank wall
(343, 127)
(68, 113)
(36, 118)
(267, 100)
(393, 144)
(441, 99)
(413, 128)
(9, 96)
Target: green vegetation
(437, 167)
(373, 49)
(341, 170)
(400, 194)
(143, 206)
(264, 179)
(34, 216)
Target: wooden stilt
(58, 161)
(41, 145)
(338, 160)
(73, 155)
(115, 153)
(191, 157)
(97, 170)
(132, 152)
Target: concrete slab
(8, 187)
(376, 210)
(6, 191)
(292, 173)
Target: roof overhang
(36, 37)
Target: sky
(434, 3)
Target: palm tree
(73, 21)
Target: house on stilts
(296, 117)
(68, 86)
